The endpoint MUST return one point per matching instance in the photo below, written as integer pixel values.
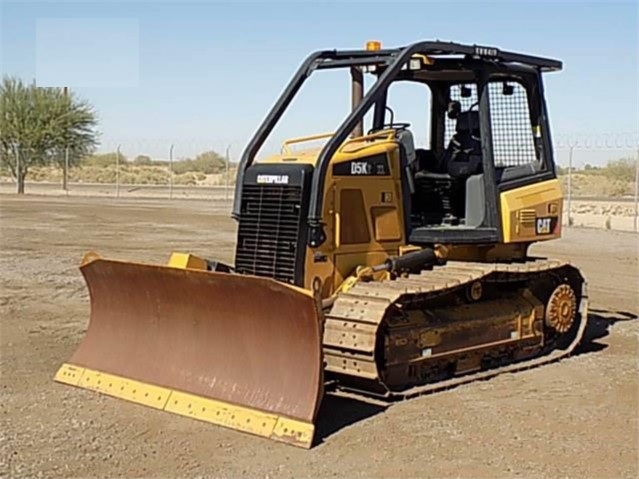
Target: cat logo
(544, 226)
(272, 179)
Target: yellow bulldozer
(373, 265)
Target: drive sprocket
(562, 308)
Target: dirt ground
(576, 418)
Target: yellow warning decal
(239, 418)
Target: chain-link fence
(133, 169)
(601, 179)
(600, 173)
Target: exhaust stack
(357, 93)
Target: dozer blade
(238, 351)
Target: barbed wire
(161, 148)
(597, 141)
(185, 147)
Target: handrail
(388, 134)
(302, 139)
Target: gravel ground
(576, 418)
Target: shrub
(103, 160)
(143, 160)
(622, 169)
(208, 163)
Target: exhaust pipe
(411, 262)
(357, 93)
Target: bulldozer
(373, 265)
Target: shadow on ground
(338, 412)
(599, 323)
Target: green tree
(38, 124)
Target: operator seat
(409, 165)
(463, 156)
(409, 158)
(405, 138)
(442, 188)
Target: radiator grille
(269, 231)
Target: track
(352, 325)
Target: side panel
(362, 213)
(319, 262)
(369, 215)
(532, 212)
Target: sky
(202, 75)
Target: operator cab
(454, 176)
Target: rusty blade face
(243, 340)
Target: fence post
(65, 173)
(636, 189)
(227, 168)
(66, 169)
(17, 148)
(572, 147)
(117, 172)
(171, 172)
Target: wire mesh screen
(466, 103)
(513, 142)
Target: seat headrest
(405, 137)
(467, 121)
